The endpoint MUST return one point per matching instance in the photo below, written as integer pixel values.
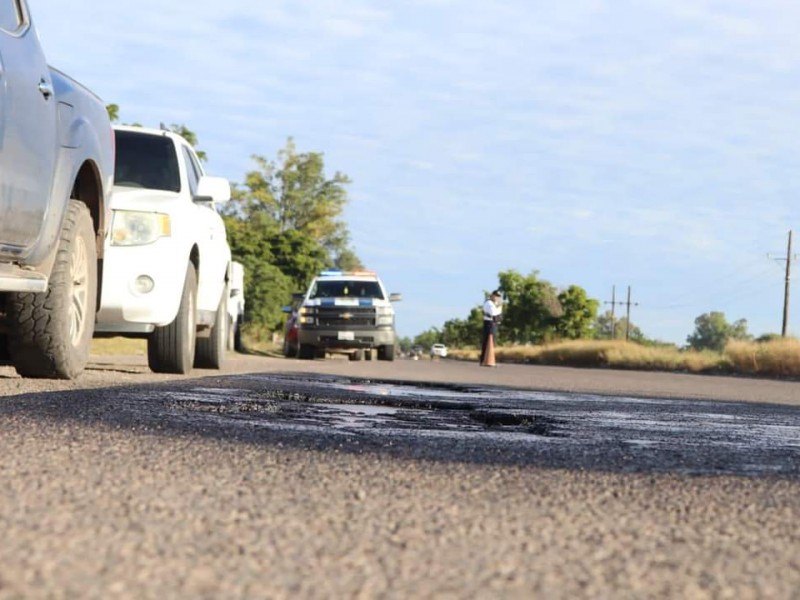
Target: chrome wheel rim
(79, 275)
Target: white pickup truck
(56, 170)
(167, 266)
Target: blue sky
(651, 144)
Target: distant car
(290, 335)
(290, 344)
(415, 353)
(439, 350)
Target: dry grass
(778, 358)
(614, 354)
(119, 345)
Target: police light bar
(348, 273)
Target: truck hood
(125, 198)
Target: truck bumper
(127, 273)
(331, 339)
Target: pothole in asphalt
(529, 423)
(363, 412)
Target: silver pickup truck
(56, 171)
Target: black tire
(170, 349)
(358, 355)
(50, 333)
(238, 344)
(306, 352)
(230, 343)
(386, 352)
(210, 351)
(289, 350)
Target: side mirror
(213, 189)
(286, 309)
(395, 297)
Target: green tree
(712, 331)
(113, 112)
(191, 137)
(602, 329)
(428, 338)
(405, 343)
(578, 313)
(267, 287)
(288, 215)
(531, 308)
(298, 196)
(464, 332)
(346, 260)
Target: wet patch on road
(483, 423)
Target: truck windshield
(146, 161)
(347, 289)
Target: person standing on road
(492, 312)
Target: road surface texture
(413, 479)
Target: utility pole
(613, 304)
(786, 286)
(628, 316)
(787, 283)
(628, 305)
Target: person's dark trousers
(488, 329)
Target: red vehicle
(290, 336)
(290, 343)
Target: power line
(613, 302)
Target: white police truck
(349, 313)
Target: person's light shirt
(491, 310)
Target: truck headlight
(132, 228)
(385, 316)
(308, 315)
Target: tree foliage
(534, 311)
(464, 332)
(712, 331)
(287, 215)
(429, 337)
(191, 137)
(606, 327)
(295, 192)
(578, 313)
(531, 308)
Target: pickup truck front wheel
(170, 349)
(386, 352)
(210, 351)
(50, 333)
(306, 352)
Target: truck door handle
(45, 88)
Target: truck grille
(346, 317)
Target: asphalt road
(331, 479)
